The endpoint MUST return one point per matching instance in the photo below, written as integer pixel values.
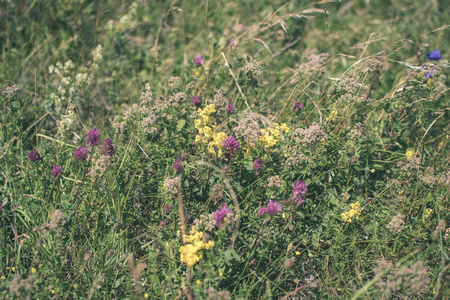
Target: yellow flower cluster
(410, 154)
(206, 130)
(354, 212)
(271, 136)
(189, 253)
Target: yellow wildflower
(145, 295)
(33, 270)
(428, 212)
(297, 253)
(269, 137)
(220, 274)
(3, 277)
(53, 291)
(198, 282)
(409, 154)
(190, 253)
(354, 212)
(283, 127)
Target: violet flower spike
(56, 171)
(33, 155)
(81, 153)
(230, 145)
(434, 55)
(299, 188)
(108, 147)
(257, 164)
(198, 60)
(230, 108)
(297, 106)
(93, 138)
(177, 165)
(222, 215)
(196, 101)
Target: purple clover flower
(177, 165)
(56, 171)
(230, 145)
(33, 155)
(108, 147)
(299, 201)
(196, 101)
(299, 188)
(168, 209)
(198, 60)
(434, 55)
(81, 153)
(221, 214)
(257, 164)
(230, 108)
(298, 106)
(93, 138)
(272, 208)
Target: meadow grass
(224, 149)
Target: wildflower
(428, 212)
(283, 127)
(257, 164)
(198, 60)
(1, 207)
(93, 138)
(272, 208)
(409, 154)
(33, 270)
(198, 282)
(33, 155)
(108, 147)
(168, 209)
(222, 215)
(177, 165)
(297, 106)
(230, 145)
(189, 253)
(297, 253)
(299, 201)
(220, 274)
(56, 171)
(146, 295)
(269, 137)
(299, 188)
(196, 101)
(354, 212)
(230, 108)
(434, 55)
(81, 153)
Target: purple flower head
(33, 155)
(230, 145)
(196, 101)
(272, 208)
(198, 60)
(230, 108)
(93, 138)
(298, 106)
(262, 211)
(108, 147)
(299, 200)
(434, 55)
(56, 171)
(257, 164)
(223, 213)
(177, 165)
(81, 153)
(168, 209)
(299, 188)
(429, 75)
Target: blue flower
(434, 55)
